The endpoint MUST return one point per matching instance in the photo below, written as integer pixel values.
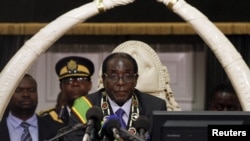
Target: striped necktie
(119, 114)
(26, 134)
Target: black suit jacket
(47, 128)
(147, 104)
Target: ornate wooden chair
(153, 76)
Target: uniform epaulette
(54, 116)
(46, 112)
(52, 113)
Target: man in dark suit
(119, 74)
(21, 109)
(223, 98)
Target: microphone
(66, 130)
(94, 116)
(112, 126)
(142, 125)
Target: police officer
(75, 81)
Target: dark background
(138, 11)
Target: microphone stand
(91, 135)
(74, 128)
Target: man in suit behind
(119, 74)
(224, 98)
(21, 108)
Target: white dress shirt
(126, 107)
(16, 130)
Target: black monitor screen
(192, 125)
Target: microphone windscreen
(95, 113)
(142, 122)
(111, 122)
(111, 117)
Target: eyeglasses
(70, 80)
(115, 77)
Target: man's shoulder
(149, 98)
(95, 94)
(45, 112)
(50, 114)
(151, 102)
(48, 120)
(48, 127)
(146, 95)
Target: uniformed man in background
(75, 81)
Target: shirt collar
(15, 122)
(126, 106)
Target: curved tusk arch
(232, 62)
(230, 59)
(41, 41)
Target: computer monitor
(192, 125)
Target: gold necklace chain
(132, 117)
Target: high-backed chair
(153, 76)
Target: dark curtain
(138, 11)
(215, 73)
(9, 45)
